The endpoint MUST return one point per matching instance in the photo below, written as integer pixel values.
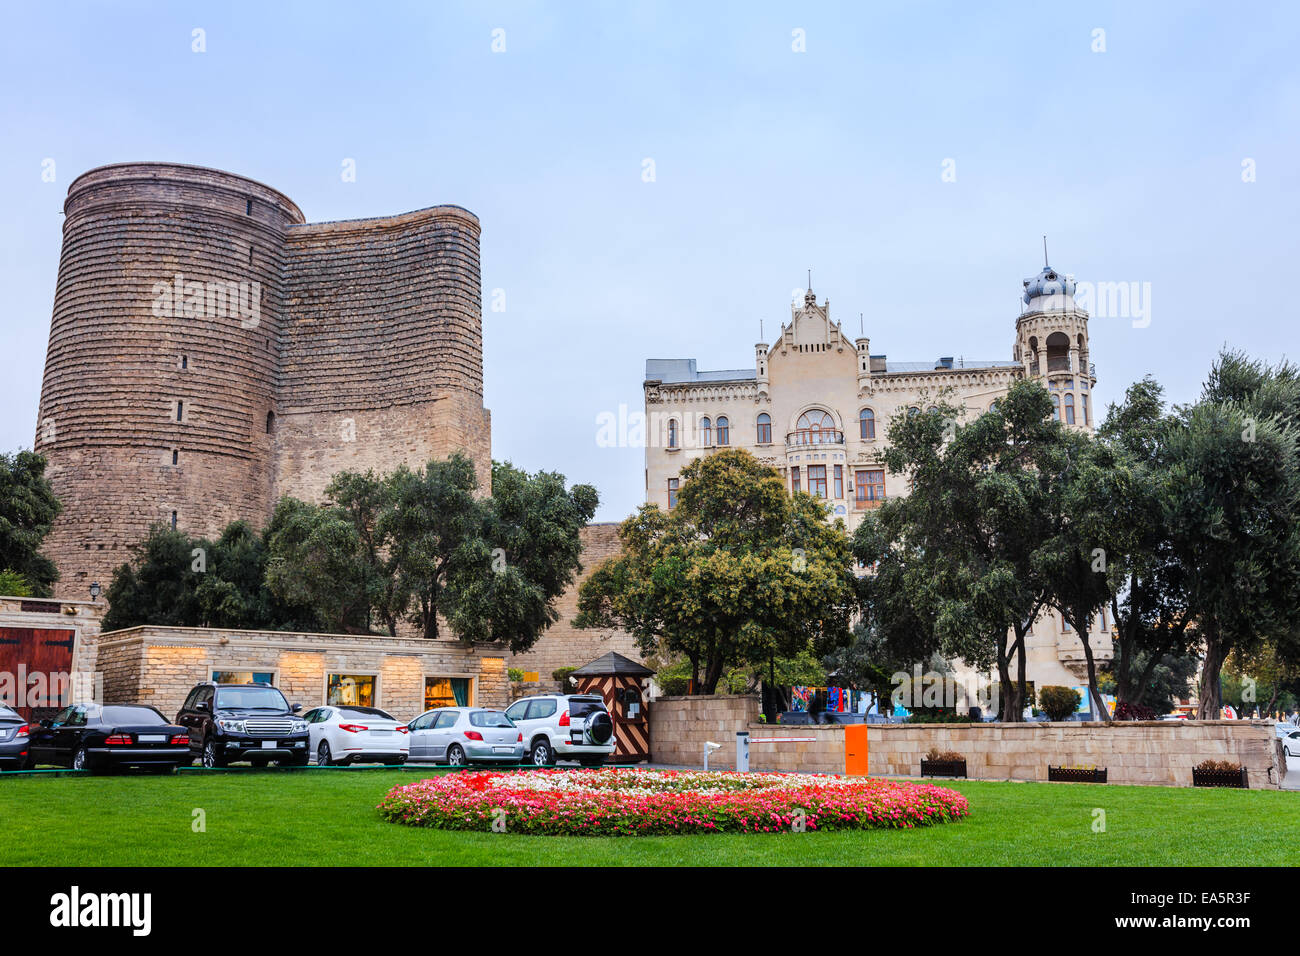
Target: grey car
(458, 736)
(15, 734)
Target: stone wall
(681, 726)
(1159, 752)
(159, 665)
(563, 645)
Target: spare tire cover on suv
(599, 727)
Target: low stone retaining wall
(1160, 752)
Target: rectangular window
(1065, 625)
(672, 493)
(243, 677)
(869, 485)
(180, 410)
(357, 689)
(1083, 404)
(817, 480)
(448, 692)
(794, 478)
(839, 481)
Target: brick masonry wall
(1140, 752)
(159, 665)
(563, 645)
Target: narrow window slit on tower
(185, 361)
(176, 457)
(180, 410)
(248, 208)
(173, 521)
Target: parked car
(1291, 744)
(343, 734)
(564, 727)
(253, 722)
(14, 737)
(461, 735)
(110, 737)
(1284, 730)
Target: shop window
(448, 692)
(356, 689)
(243, 677)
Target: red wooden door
(37, 666)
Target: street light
(95, 591)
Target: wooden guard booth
(618, 680)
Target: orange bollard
(855, 750)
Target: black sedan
(14, 740)
(110, 736)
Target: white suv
(564, 727)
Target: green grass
(328, 818)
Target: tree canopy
(28, 508)
(738, 573)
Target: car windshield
(250, 698)
(140, 716)
(372, 712)
(489, 718)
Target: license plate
(268, 744)
(153, 739)
(380, 733)
(503, 750)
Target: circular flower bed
(643, 802)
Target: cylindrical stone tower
(162, 361)
(210, 352)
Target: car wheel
(323, 756)
(455, 756)
(79, 759)
(213, 758)
(541, 754)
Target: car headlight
(299, 726)
(231, 726)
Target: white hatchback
(343, 733)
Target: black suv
(250, 722)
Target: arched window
(706, 432)
(815, 427)
(914, 410)
(672, 433)
(866, 424)
(764, 429)
(1069, 408)
(1083, 407)
(1056, 408)
(724, 431)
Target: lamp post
(95, 591)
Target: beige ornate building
(816, 406)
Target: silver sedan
(461, 735)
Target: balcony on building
(813, 437)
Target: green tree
(1153, 639)
(315, 561)
(28, 508)
(231, 590)
(956, 562)
(160, 585)
(433, 527)
(365, 498)
(524, 554)
(14, 584)
(739, 572)
(1234, 475)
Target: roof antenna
(760, 330)
(809, 280)
(861, 327)
(1045, 265)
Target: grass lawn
(327, 817)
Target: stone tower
(1052, 345)
(210, 352)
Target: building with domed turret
(816, 406)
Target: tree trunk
(1010, 706)
(1098, 704)
(1208, 708)
(712, 674)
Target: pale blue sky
(768, 162)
